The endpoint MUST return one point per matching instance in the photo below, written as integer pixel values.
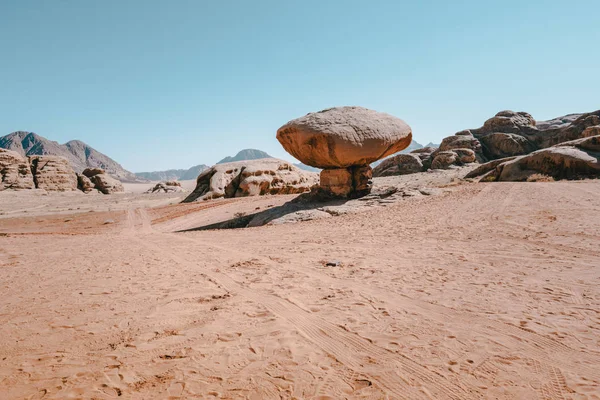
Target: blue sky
(171, 84)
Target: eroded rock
(401, 164)
(53, 173)
(252, 178)
(343, 141)
(15, 172)
(342, 137)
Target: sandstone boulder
(53, 173)
(463, 140)
(166, 187)
(575, 159)
(89, 172)
(106, 183)
(444, 159)
(252, 178)
(84, 183)
(400, 164)
(501, 145)
(343, 137)
(511, 133)
(15, 172)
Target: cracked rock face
(343, 137)
(252, 178)
(53, 173)
(14, 171)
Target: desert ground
(484, 291)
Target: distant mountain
(246, 154)
(432, 145)
(79, 154)
(173, 174)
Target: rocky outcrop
(15, 172)
(166, 187)
(345, 138)
(103, 182)
(84, 183)
(79, 154)
(463, 140)
(402, 164)
(252, 178)
(510, 133)
(53, 173)
(576, 159)
(507, 135)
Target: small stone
(333, 264)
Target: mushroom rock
(343, 141)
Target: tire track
(403, 377)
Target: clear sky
(170, 84)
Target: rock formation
(102, 181)
(53, 173)
(79, 154)
(251, 178)
(510, 133)
(344, 141)
(576, 159)
(84, 183)
(166, 187)
(507, 135)
(401, 164)
(15, 172)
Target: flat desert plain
(486, 291)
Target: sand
(487, 291)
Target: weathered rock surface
(342, 137)
(575, 159)
(89, 172)
(166, 187)
(511, 133)
(463, 140)
(15, 172)
(252, 178)
(501, 145)
(401, 164)
(456, 157)
(84, 183)
(107, 184)
(53, 173)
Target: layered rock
(343, 141)
(252, 178)
(15, 172)
(103, 182)
(79, 154)
(84, 183)
(575, 159)
(53, 173)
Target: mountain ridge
(174, 174)
(246, 154)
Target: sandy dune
(490, 291)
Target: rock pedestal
(343, 141)
(346, 182)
